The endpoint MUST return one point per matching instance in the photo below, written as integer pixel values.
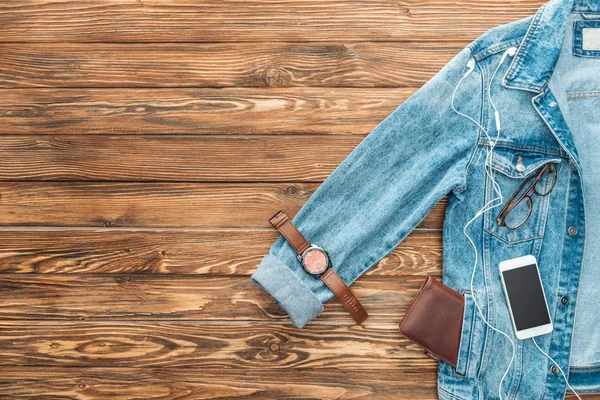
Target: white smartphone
(526, 298)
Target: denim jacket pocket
(510, 168)
(464, 350)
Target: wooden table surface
(143, 146)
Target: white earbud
(471, 66)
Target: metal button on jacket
(573, 230)
(520, 167)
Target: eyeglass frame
(531, 190)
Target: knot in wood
(274, 346)
(275, 77)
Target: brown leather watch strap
(282, 223)
(345, 295)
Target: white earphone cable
(494, 202)
(558, 366)
(490, 205)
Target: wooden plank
(365, 64)
(227, 111)
(157, 205)
(213, 252)
(253, 347)
(212, 383)
(149, 205)
(182, 297)
(216, 383)
(237, 21)
(167, 158)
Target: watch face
(315, 261)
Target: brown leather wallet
(434, 321)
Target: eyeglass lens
(522, 211)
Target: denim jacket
(547, 92)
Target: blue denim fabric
(548, 98)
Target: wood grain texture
(250, 21)
(143, 146)
(365, 64)
(169, 251)
(158, 205)
(227, 111)
(174, 205)
(197, 345)
(212, 383)
(182, 298)
(166, 158)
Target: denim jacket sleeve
(384, 188)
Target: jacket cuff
(287, 288)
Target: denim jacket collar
(556, 123)
(536, 57)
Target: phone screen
(526, 297)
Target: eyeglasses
(511, 215)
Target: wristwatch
(315, 261)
